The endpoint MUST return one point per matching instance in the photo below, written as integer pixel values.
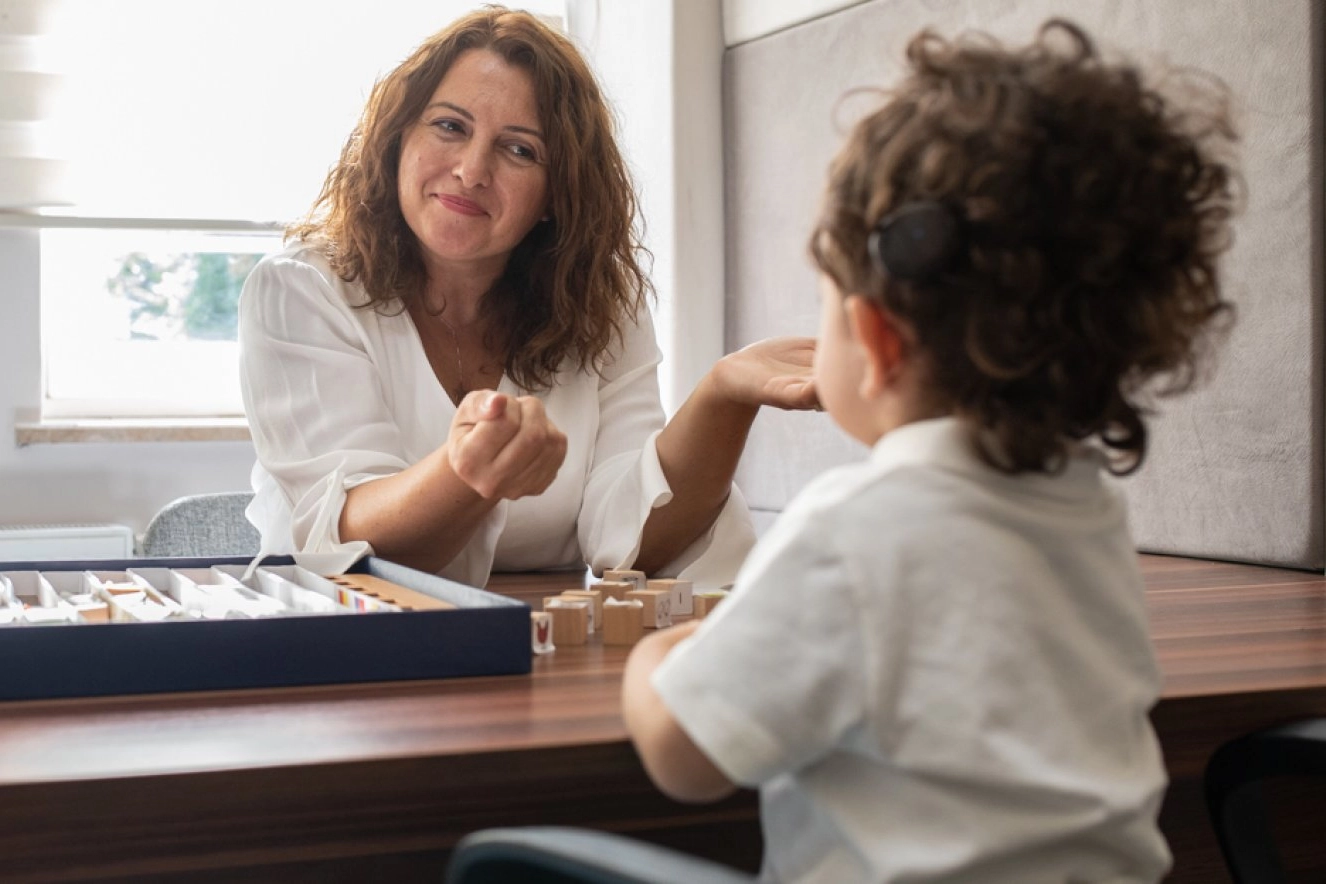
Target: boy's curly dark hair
(1093, 212)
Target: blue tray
(486, 634)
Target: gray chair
(1233, 779)
(202, 525)
(557, 855)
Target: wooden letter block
(623, 622)
(615, 589)
(657, 611)
(636, 577)
(552, 600)
(681, 591)
(541, 632)
(570, 619)
(705, 602)
(595, 596)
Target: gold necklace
(460, 362)
(423, 322)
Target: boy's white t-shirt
(937, 672)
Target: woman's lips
(461, 205)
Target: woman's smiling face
(473, 178)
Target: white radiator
(31, 543)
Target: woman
(452, 364)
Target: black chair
(1233, 783)
(554, 855)
(202, 525)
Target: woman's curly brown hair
(575, 279)
(1093, 212)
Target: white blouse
(337, 396)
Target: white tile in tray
(32, 587)
(31, 600)
(212, 594)
(111, 579)
(132, 598)
(68, 583)
(309, 592)
(208, 593)
(10, 609)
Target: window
(194, 131)
(142, 322)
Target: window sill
(68, 431)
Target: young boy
(936, 665)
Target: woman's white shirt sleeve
(311, 393)
(626, 480)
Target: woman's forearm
(421, 517)
(698, 450)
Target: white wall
(745, 20)
(660, 63)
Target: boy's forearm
(675, 764)
(640, 703)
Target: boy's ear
(882, 340)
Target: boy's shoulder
(913, 470)
(859, 511)
(932, 488)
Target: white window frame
(69, 407)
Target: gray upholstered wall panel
(1235, 470)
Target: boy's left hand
(773, 371)
(676, 765)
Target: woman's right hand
(504, 447)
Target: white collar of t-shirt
(946, 443)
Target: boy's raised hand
(504, 447)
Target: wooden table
(1241, 648)
(354, 782)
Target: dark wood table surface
(378, 781)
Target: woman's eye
(522, 153)
(448, 127)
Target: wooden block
(681, 590)
(120, 589)
(636, 577)
(657, 611)
(391, 593)
(615, 589)
(552, 600)
(595, 596)
(705, 602)
(623, 622)
(541, 632)
(570, 618)
(94, 612)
